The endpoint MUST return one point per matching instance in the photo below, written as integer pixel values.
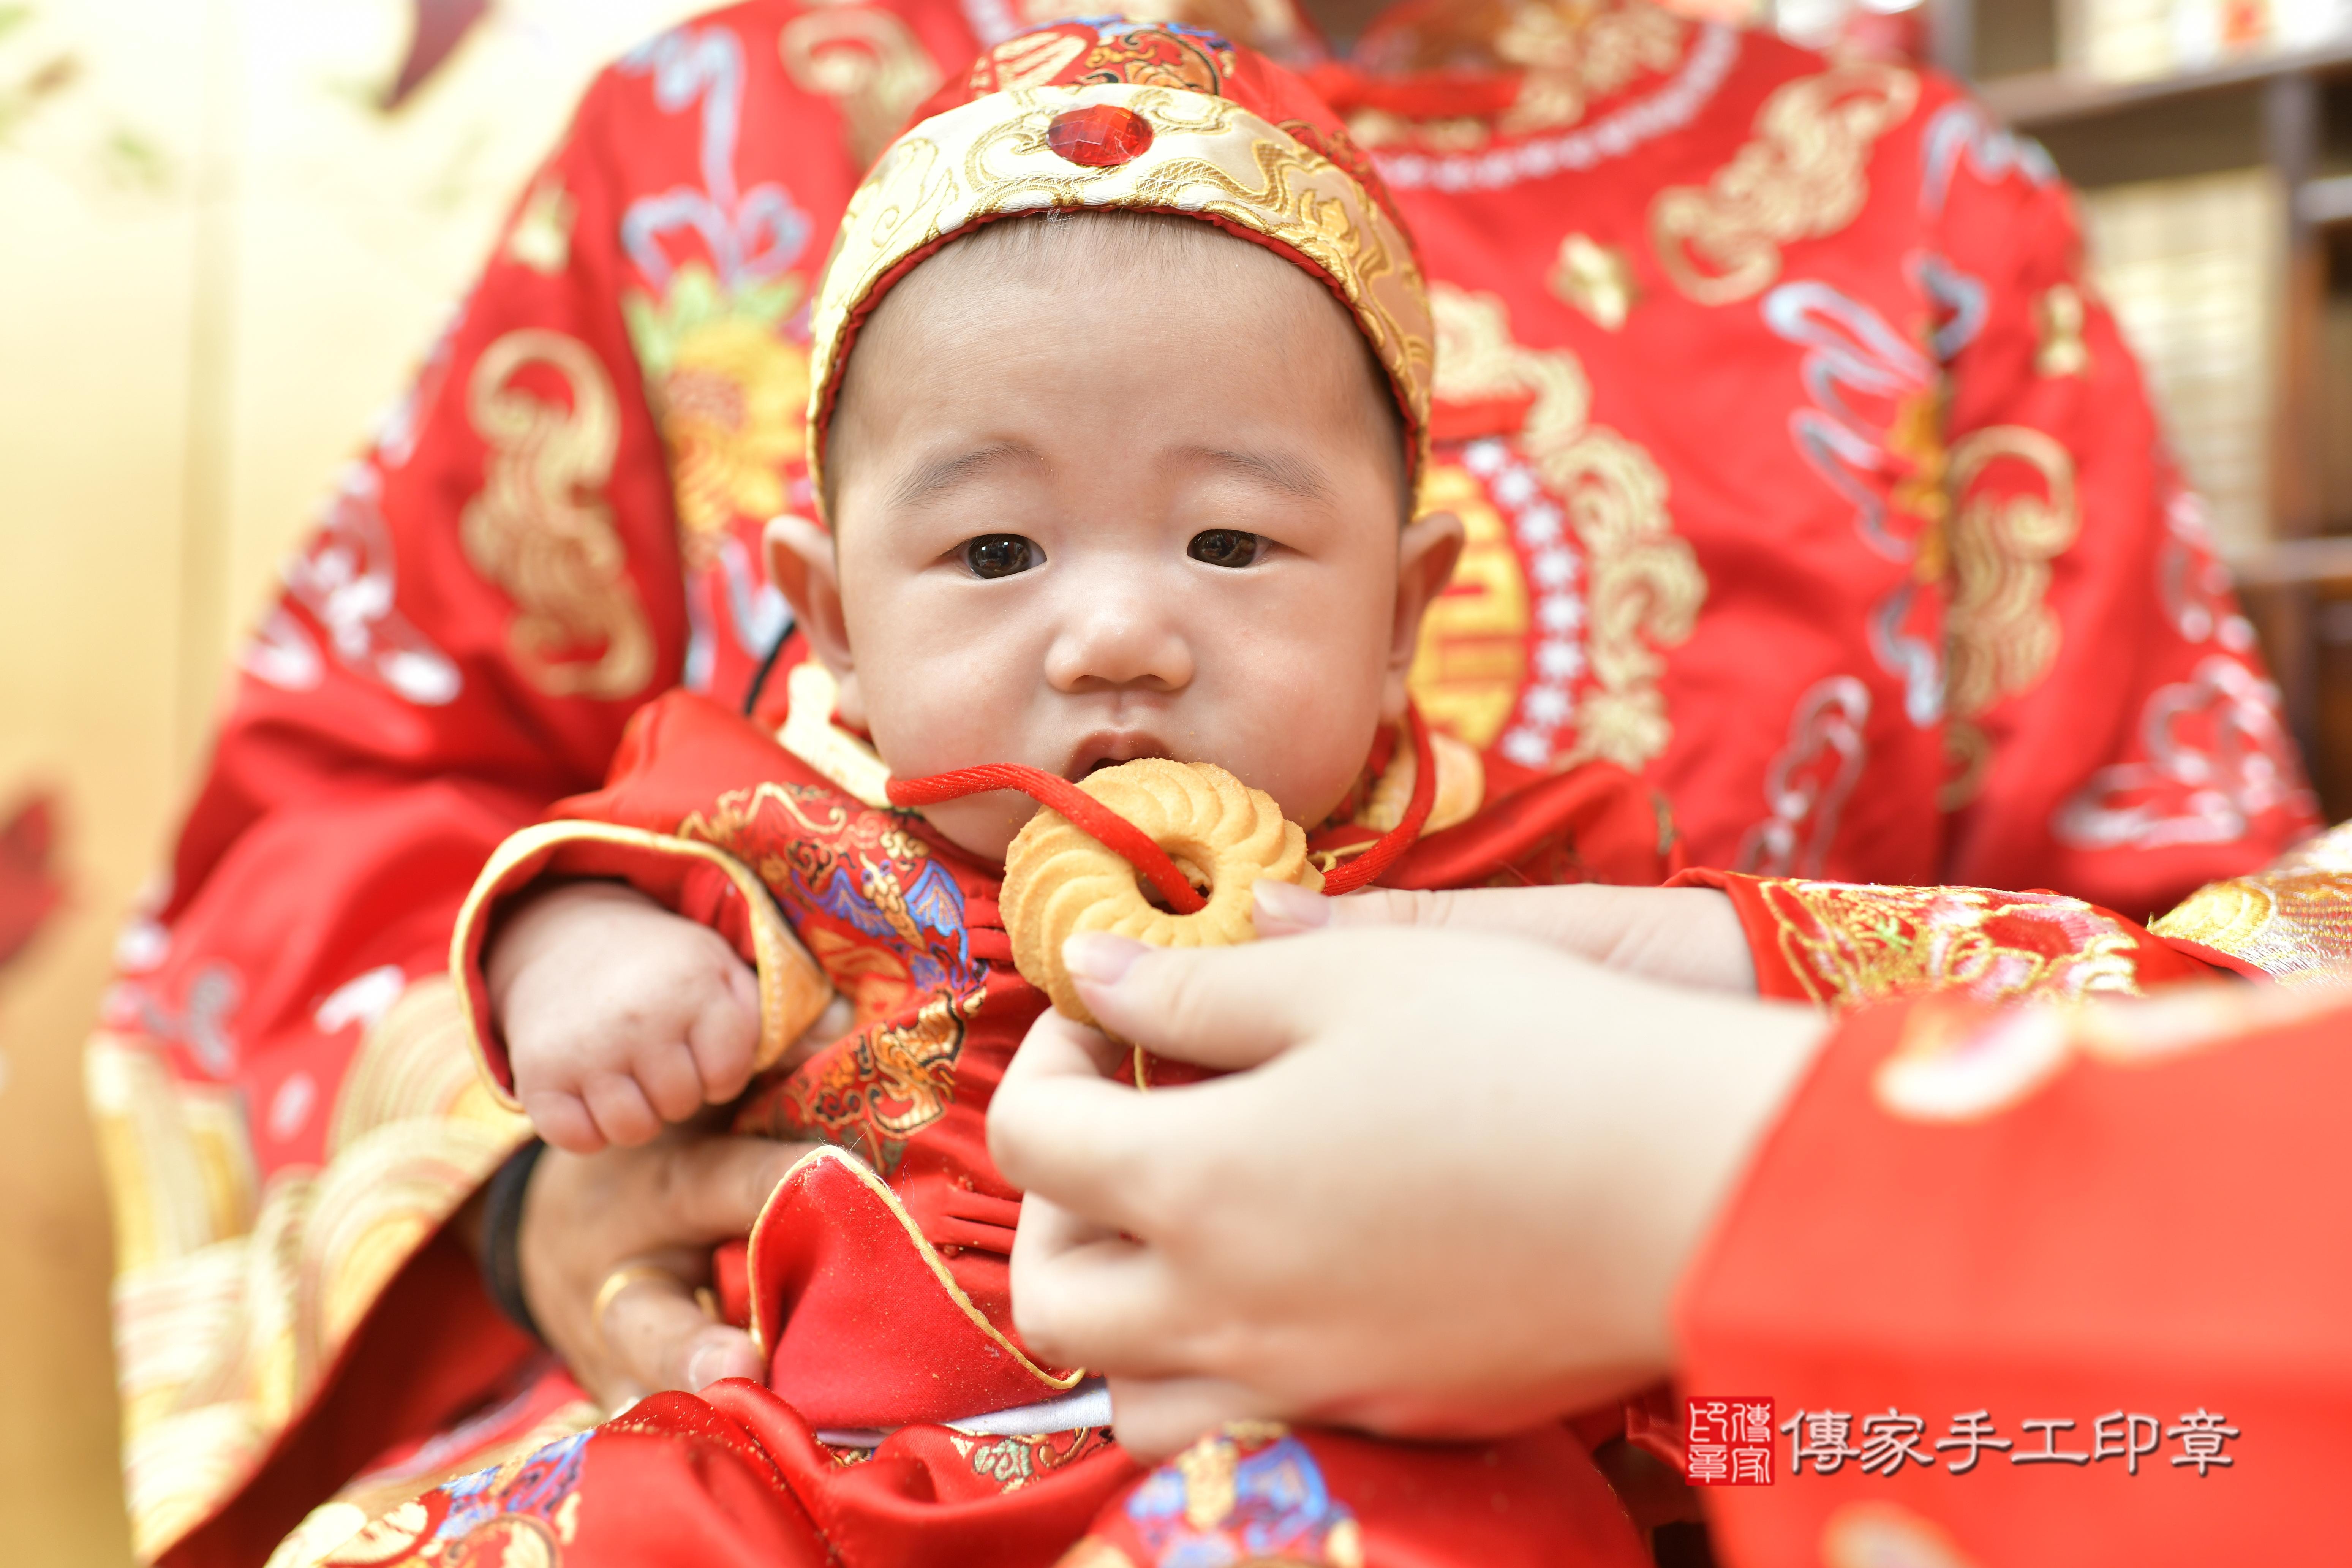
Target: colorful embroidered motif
(822, 856)
(1849, 943)
(886, 921)
(1250, 1494)
(872, 1091)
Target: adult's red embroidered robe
(1803, 476)
(2046, 1285)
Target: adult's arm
(1457, 1187)
(2112, 730)
(1843, 944)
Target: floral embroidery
(1800, 178)
(729, 391)
(1850, 944)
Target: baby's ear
(801, 565)
(1426, 557)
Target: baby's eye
(999, 555)
(1225, 547)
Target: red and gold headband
(1140, 117)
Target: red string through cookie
(1131, 844)
(1089, 816)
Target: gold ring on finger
(620, 1280)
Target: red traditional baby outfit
(877, 1276)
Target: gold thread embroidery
(1472, 658)
(865, 58)
(1208, 155)
(542, 237)
(1799, 177)
(227, 1315)
(540, 530)
(1646, 586)
(1849, 943)
(2294, 925)
(1596, 279)
(2058, 326)
(2001, 636)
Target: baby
(1121, 374)
(1103, 484)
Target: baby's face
(1105, 493)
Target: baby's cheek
(1314, 731)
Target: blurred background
(229, 227)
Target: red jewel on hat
(1100, 136)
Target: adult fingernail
(1100, 957)
(1290, 905)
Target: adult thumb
(1227, 1007)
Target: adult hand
(1451, 1195)
(662, 1205)
(1682, 936)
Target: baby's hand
(619, 1016)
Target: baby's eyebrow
(946, 473)
(1293, 476)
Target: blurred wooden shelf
(2035, 99)
(2297, 563)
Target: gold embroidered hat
(1143, 117)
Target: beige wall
(218, 261)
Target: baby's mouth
(1108, 751)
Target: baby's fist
(619, 1016)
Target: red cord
(1131, 844)
(1089, 816)
(1358, 872)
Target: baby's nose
(1118, 632)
